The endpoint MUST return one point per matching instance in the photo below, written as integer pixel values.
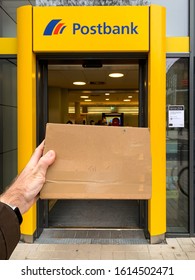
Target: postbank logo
(54, 27)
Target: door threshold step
(92, 236)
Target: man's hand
(24, 191)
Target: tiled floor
(174, 249)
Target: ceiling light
(126, 100)
(107, 99)
(130, 96)
(107, 93)
(79, 83)
(87, 100)
(116, 75)
(84, 96)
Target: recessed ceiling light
(84, 96)
(87, 100)
(130, 96)
(116, 75)
(126, 100)
(107, 93)
(79, 83)
(107, 99)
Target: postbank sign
(91, 28)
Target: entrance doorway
(98, 99)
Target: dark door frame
(42, 110)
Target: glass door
(177, 145)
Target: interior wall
(58, 111)
(54, 101)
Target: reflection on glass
(177, 153)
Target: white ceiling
(98, 83)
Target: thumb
(46, 160)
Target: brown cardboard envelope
(98, 162)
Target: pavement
(172, 249)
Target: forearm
(14, 197)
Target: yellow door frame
(26, 94)
(157, 123)
(157, 119)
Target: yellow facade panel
(8, 46)
(53, 31)
(177, 44)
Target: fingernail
(49, 154)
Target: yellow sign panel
(91, 28)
